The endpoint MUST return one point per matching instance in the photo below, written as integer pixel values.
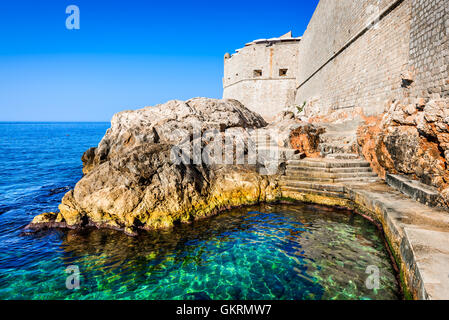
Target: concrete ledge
(418, 235)
(414, 189)
(431, 261)
(329, 163)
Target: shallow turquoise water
(263, 252)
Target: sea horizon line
(44, 122)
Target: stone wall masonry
(429, 48)
(343, 63)
(365, 73)
(265, 96)
(334, 24)
(354, 54)
(417, 235)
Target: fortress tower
(262, 75)
(354, 55)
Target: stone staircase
(325, 176)
(416, 190)
(340, 139)
(340, 165)
(269, 154)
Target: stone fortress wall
(262, 75)
(364, 53)
(390, 59)
(429, 48)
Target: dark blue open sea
(39, 163)
(264, 252)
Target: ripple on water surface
(263, 252)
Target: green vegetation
(301, 108)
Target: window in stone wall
(257, 73)
(283, 72)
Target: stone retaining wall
(417, 235)
(429, 48)
(345, 61)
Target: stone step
(348, 142)
(278, 148)
(346, 126)
(339, 137)
(270, 163)
(325, 163)
(357, 179)
(307, 179)
(313, 191)
(333, 170)
(414, 189)
(329, 180)
(281, 153)
(326, 148)
(289, 153)
(349, 156)
(328, 175)
(298, 156)
(313, 185)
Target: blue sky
(127, 54)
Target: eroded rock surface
(410, 139)
(282, 126)
(306, 139)
(132, 182)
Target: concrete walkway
(418, 235)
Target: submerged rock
(134, 181)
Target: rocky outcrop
(136, 179)
(410, 139)
(306, 139)
(169, 123)
(281, 127)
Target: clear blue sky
(127, 54)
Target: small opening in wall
(283, 72)
(257, 73)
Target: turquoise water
(263, 252)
